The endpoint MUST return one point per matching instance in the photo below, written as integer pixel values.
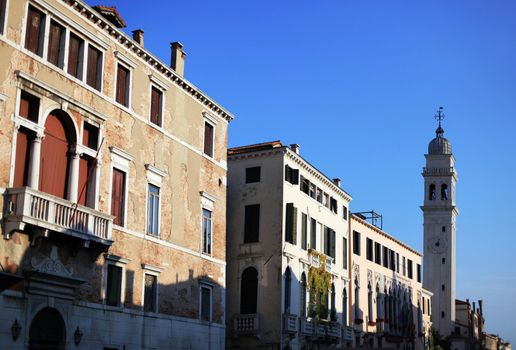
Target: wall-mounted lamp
(77, 336)
(15, 330)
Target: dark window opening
(150, 293)
(24, 140)
(443, 229)
(291, 223)
(302, 295)
(288, 281)
(329, 242)
(118, 197)
(385, 257)
(333, 205)
(305, 185)
(344, 212)
(442, 287)
(304, 230)
(252, 174)
(114, 285)
(75, 54)
(29, 107)
(409, 268)
(249, 291)
(313, 234)
(94, 71)
(3, 4)
(252, 223)
(442, 314)
(443, 260)
(392, 260)
(86, 185)
(90, 136)
(418, 272)
(122, 85)
(356, 242)
(156, 106)
(34, 31)
(206, 303)
(208, 139)
(431, 194)
(369, 249)
(344, 253)
(291, 175)
(444, 192)
(377, 253)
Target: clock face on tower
(438, 244)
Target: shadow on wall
(100, 301)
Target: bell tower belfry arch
(439, 217)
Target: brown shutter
(21, 165)
(155, 106)
(54, 43)
(2, 14)
(117, 196)
(33, 30)
(29, 107)
(92, 75)
(84, 174)
(73, 55)
(122, 81)
(208, 139)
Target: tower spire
(439, 116)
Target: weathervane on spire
(439, 116)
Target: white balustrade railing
(246, 324)
(42, 209)
(290, 323)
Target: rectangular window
(312, 190)
(304, 230)
(252, 174)
(150, 295)
(377, 253)
(90, 136)
(344, 254)
(3, 4)
(206, 231)
(252, 223)
(291, 175)
(85, 185)
(75, 54)
(208, 139)
(344, 212)
(385, 257)
(418, 272)
(153, 210)
(326, 200)
(356, 242)
(29, 107)
(156, 106)
(114, 285)
(392, 260)
(404, 266)
(94, 71)
(333, 205)
(122, 85)
(369, 249)
(118, 197)
(319, 195)
(329, 242)
(56, 38)
(409, 268)
(34, 31)
(205, 303)
(305, 185)
(397, 263)
(291, 223)
(313, 234)
(21, 165)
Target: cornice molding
(124, 40)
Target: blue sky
(356, 84)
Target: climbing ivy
(318, 278)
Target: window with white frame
(35, 31)
(155, 182)
(123, 80)
(209, 135)
(3, 15)
(205, 306)
(157, 94)
(207, 206)
(150, 287)
(114, 281)
(120, 161)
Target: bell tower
(439, 216)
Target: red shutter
(54, 43)
(117, 196)
(208, 139)
(92, 78)
(122, 81)
(21, 165)
(54, 158)
(33, 30)
(73, 55)
(29, 107)
(155, 106)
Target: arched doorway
(47, 331)
(249, 291)
(55, 161)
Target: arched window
(386, 315)
(431, 192)
(302, 296)
(369, 303)
(444, 192)
(419, 318)
(249, 291)
(357, 301)
(333, 312)
(344, 307)
(379, 315)
(47, 330)
(288, 280)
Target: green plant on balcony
(319, 282)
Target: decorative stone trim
(152, 268)
(116, 259)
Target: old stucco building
(390, 308)
(113, 182)
(288, 260)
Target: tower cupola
(439, 145)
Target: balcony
(45, 213)
(246, 324)
(290, 323)
(347, 333)
(307, 326)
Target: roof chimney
(178, 58)
(138, 36)
(295, 148)
(336, 182)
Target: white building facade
(288, 260)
